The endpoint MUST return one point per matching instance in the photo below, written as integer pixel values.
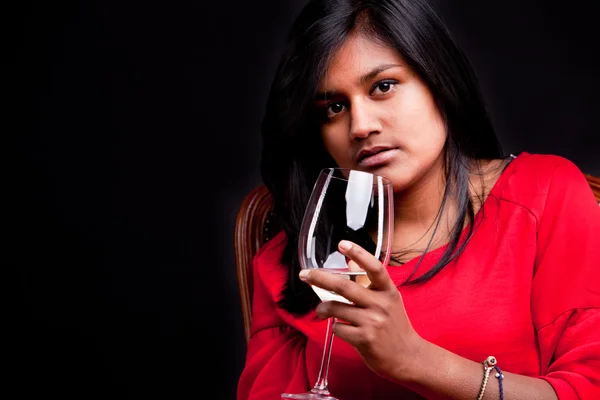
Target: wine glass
(350, 205)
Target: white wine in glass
(349, 205)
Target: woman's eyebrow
(362, 80)
(376, 71)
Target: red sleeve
(275, 361)
(566, 285)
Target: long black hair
(293, 153)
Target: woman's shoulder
(267, 264)
(533, 179)
(272, 250)
(527, 166)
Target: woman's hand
(376, 323)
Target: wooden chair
(595, 184)
(254, 227)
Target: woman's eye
(383, 87)
(334, 108)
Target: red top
(525, 290)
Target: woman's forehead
(358, 55)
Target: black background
(133, 135)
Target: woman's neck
(417, 211)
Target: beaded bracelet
(488, 365)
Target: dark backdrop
(133, 132)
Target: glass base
(312, 395)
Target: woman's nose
(363, 120)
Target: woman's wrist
(433, 372)
(413, 366)
(436, 373)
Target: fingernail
(304, 274)
(345, 245)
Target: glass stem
(321, 386)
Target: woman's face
(379, 116)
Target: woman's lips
(378, 159)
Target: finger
(378, 275)
(339, 284)
(360, 279)
(345, 312)
(347, 332)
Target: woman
(492, 255)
